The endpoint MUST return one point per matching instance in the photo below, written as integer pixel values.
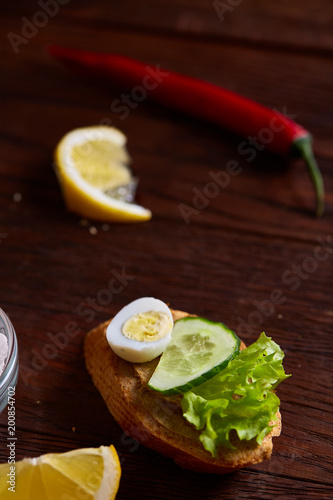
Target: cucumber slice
(198, 350)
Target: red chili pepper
(269, 128)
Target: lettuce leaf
(239, 398)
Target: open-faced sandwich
(188, 387)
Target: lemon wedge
(89, 473)
(92, 167)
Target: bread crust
(156, 421)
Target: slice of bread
(156, 421)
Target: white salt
(93, 230)
(3, 351)
(17, 197)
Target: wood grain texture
(302, 25)
(255, 241)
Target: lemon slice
(92, 168)
(89, 473)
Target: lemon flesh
(89, 473)
(100, 163)
(92, 167)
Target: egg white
(131, 349)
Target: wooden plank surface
(300, 25)
(257, 235)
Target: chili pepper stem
(303, 148)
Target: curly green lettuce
(240, 398)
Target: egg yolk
(147, 327)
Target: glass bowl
(9, 376)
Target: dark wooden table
(258, 235)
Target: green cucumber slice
(198, 350)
